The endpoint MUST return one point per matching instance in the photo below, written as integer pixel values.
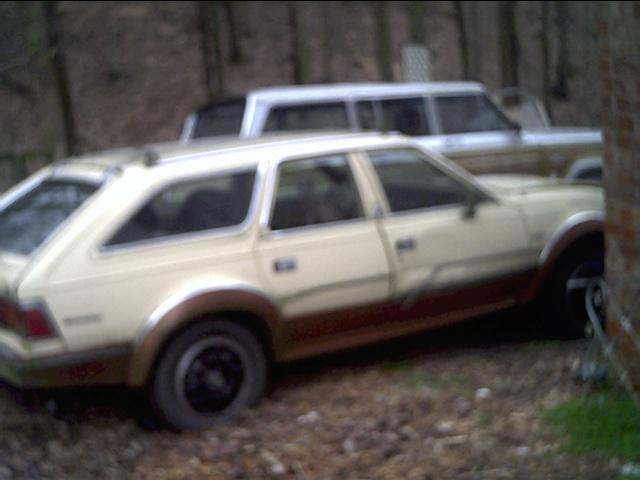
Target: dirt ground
(460, 403)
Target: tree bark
(509, 46)
(298, 45)
(327, 42)
(234, 39)
(416, 14)
(211, 49)
(561, 87)
(463, 39)
(58, 64)
(383, 40)
(41, 40)
(544, 50)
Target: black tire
(207, 374)
(564, 305)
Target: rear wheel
(207, 374)
(566, 302)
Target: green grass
(604, 422)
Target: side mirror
(470, 206)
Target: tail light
(30, 322)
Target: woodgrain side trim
(173, 316)
(332, 331)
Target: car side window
(405, 115)
(410, 182)
(193, 206)
(315, 191)
(319, 116)
(470, 113)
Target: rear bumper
(108, 365)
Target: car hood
(511, 185)
(516, 183)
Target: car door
(323, 259)
(467, 255)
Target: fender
(572, 229)
(178, 310)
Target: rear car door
(446, 256)
(321, 255)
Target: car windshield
(221, 118)
(29, 221)
(470, 113)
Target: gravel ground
(460, 403)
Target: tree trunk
(55, 126)
(561, 87)
(327, 42)
(234, 40)
(463, 40)
(298, 45)
(58, 64)
(416, 14)
(211, 49)
(509, 47)
(383, 40)
(544, 49)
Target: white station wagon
(187, 270)
(458, 119)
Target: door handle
(404, 244)
(284, 264)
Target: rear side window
(470, 113)
(411, 183)
(222, 118)
(405, 115)
(315, 191)
(189, 207)
(29, 221)
(321, 116)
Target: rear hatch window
(27, 222)
(221, 118)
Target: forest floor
(465, 402)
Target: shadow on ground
(518, 326)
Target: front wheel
(566, 302)
(207, 374)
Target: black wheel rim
(589, 272)
(210, 375)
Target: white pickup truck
(459, 119)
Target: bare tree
(509, 46)
(327, 41)
(58, 64)
(211, 48)
(561, 88)
(47, 69)
(234, 39)
(416, 15)
(383, 39)
(544, 50)
(298, 44)
(463, 39)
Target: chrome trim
(566, 226)
(232, 230)
(248, 116)
(177, 299)
(188, 128)
(335, 285)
